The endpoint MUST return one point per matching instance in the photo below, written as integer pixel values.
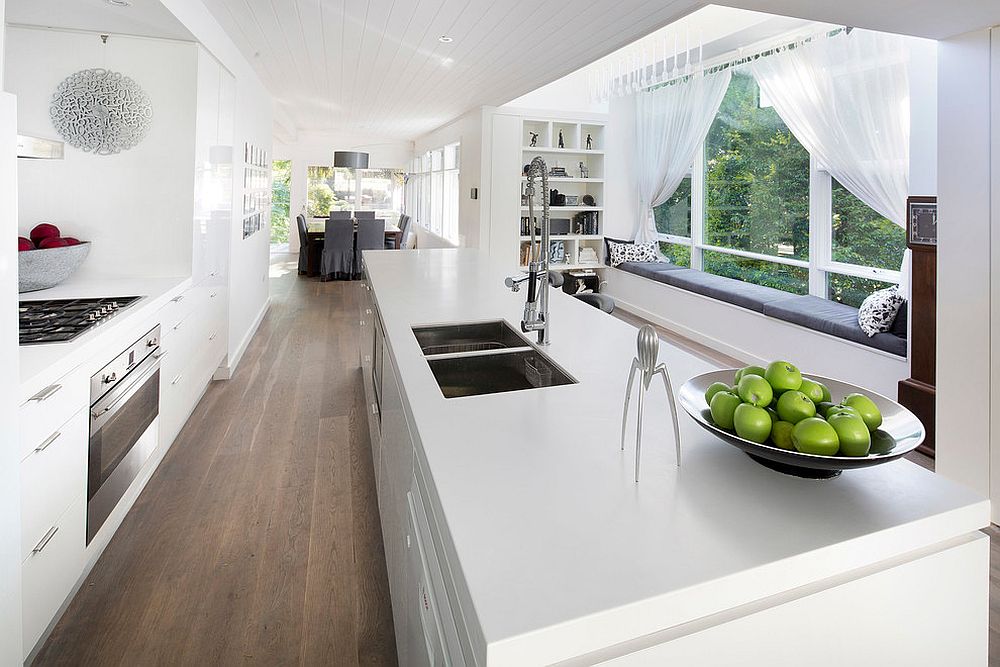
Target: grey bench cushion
(729, 290)
(831, 317)
(648, 269)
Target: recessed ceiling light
(119, 3)
(445, 39)
(447, 62)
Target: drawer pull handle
(213, 295)
(368, 358)
(362, 323)
(45, 540)
(374, 408)
(368, 311)
(212, 337)
(159, 355)
(176, 380)
(45, 393)
(178, 299)
(48, 441)
(177, 326)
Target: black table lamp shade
(350, 159)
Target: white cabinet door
(424, 640)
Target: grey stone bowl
(45, 268)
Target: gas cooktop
(62, 320)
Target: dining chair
(340, 215)
(300, 222)
(371, 236)
(404, 225)
(364, 215)
(338, 247)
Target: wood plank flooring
(257, 541)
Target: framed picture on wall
(921, 222)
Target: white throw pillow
(878, 311)
(633, 252)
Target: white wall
(312, 149)
(570, 93)
(621, 201)
(248, 286)
(964, 262)
(468, 129)
(135, 207)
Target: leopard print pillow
(633, 252)
(878, 311)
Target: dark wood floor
(257, 541)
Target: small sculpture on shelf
(562, 144)
(584, 171)
(590, 142)
(534, 139)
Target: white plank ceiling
(377, 67)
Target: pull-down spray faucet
(536, 307)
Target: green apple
(827, 396)
(866, 406)
(781, 434)
(882, 442)
(841, 409)
(823, 408)
(773, 414)
(748, 370)
(723, 408)
(755, 390)
(783, 376)
(812, 389)
(752, 423)
(714, 389)
(852, 433)
(815, 436)
(794, 406)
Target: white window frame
(438, 215)
(820, 263)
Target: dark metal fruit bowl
(897, 421)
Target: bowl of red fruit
(46, 257)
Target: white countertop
(560, 551)
(41, 365)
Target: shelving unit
(573, 155)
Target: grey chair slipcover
(300, 223)
(364, 215)
(404, 227)
(338, 247)
(340, 215)
(371, 236)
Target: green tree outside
(281, 200)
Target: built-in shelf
(569, 267)
(567, 237)
(568, 209)
(564, 151)
(569, 179)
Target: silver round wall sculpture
(100, 111)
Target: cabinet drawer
(52, 476)
(51, 569)
(176, 310)
(51, 406)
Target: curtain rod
(742, 60)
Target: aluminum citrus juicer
(648, 349)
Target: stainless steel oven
(124, 403)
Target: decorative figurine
(648, 347)
(561, 144)
(584, 171)
(590, 142)
(534, 139)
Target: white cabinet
(39, 416)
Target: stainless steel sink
(494, 373)
(468, 337)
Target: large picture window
(434, 191)
(756, 202)
(341, 189)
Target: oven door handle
(152, 364)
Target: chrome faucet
(536, 307)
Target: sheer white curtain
(846, 99)
(670, 125)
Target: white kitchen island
(516, 535)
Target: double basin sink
(476, 358)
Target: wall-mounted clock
(921, 222)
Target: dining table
(316, 230)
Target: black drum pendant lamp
(350, 159)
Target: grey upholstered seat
(364, 215)
(300, 224)
(746, 295)
(404, 225)
(338, 247)
(599, 301)
(371, 236)
(831, 317)
(648, 269)
(340, 215)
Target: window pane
(451, 205)
(281, 188)
(677, 253)
(851, 290)
(863, 237)
(436, 160)
(780, 276)
(437, 183)
(451, 156)
(756, 178)
(674, 215)
(382, 191)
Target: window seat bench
(829, 317)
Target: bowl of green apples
(808, 426)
